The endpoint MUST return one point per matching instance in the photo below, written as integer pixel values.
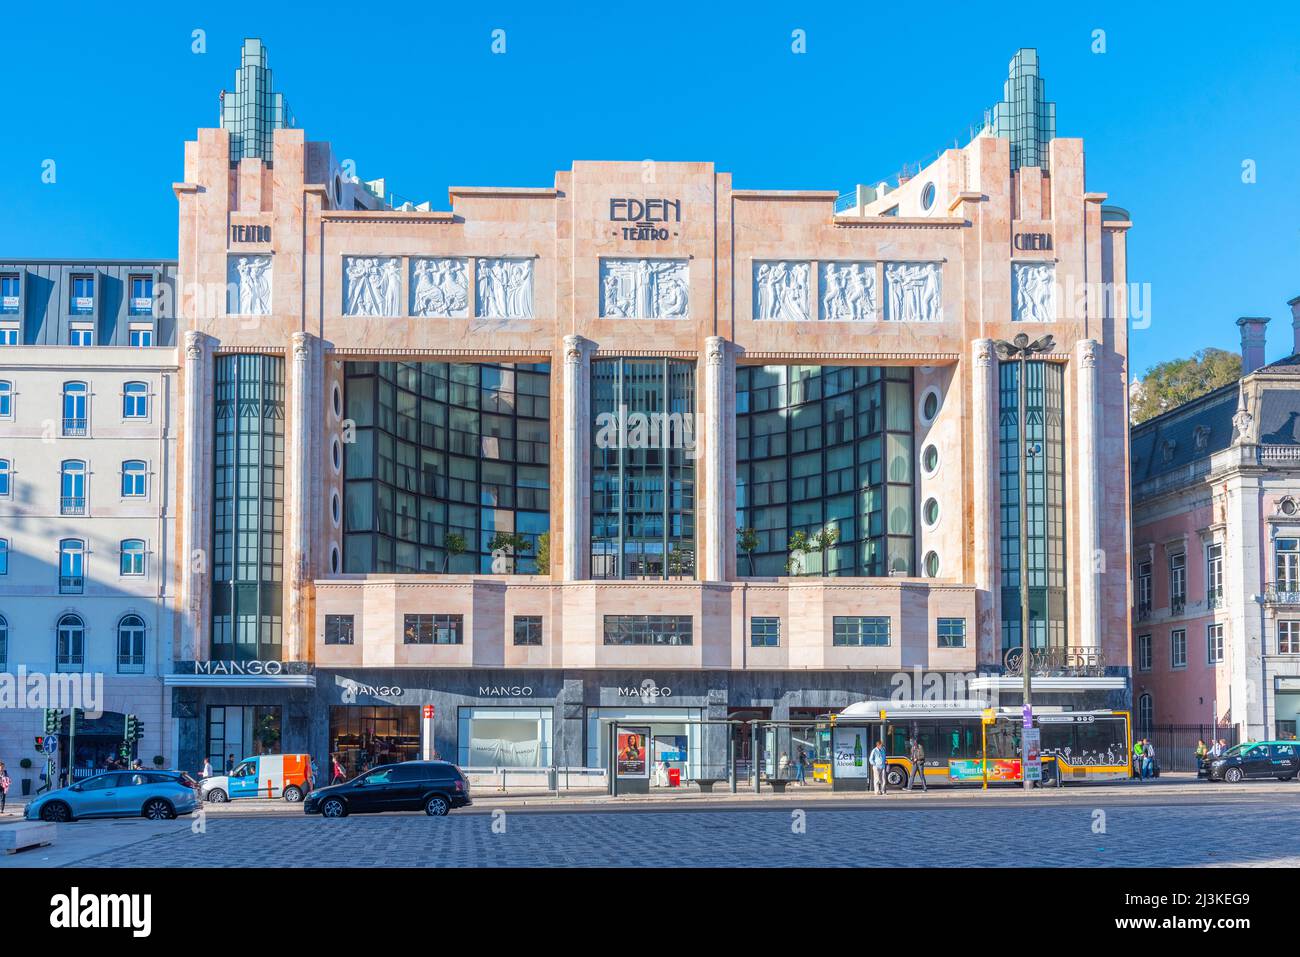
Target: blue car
(157, 795)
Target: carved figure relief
(440, 287)
(1034, 292)
(372, 286)
(848, 291)
(912, 291)
(249, 279)
(644, 289)
(781, 291)
(505, 289)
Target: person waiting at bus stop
(877, 761)
(1137, 759)
(917, 756)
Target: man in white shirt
(877, 762)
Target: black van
(1256, 759)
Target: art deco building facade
(636, 444)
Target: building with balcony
(1216, 553)
(637, 444)
(88, 392)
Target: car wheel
(217, 796)
(56, 811)
(895, 777)
(333, 807)
(436, 806)
(293, 794)
(1286, 777)
(1233, 775)
(159, 810)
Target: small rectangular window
(648, 629)
(433, 629)
(1178, 648)
(1288, 637)
(952, 632)
(4, 556)
(81, 336)
(141, 338)
(1214, 644)
(83, 295)
(141, 296)
(1144, 652)
(854, 631)
(765, 632)
(8, 335)
(338, 629)
(528, 629)
(9, 294)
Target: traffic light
(52, 716)
(131, 725)
(125, 751)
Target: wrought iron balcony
(74, 426)
(72, 505)
(1282, 593)
(1214, 599)
(1177, 604)
(71, 584)
(1143, 610)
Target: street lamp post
(1020, 350)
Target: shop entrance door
(366, 736)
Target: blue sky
(412, 92)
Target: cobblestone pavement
(1083, 833)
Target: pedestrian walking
(206, 771)
(4, 786)
(877, 761)
(313, 774)
(336, 775)
(1201, 752)
(801, 760)
(230, 763)
(1148, 759)
(917, 755)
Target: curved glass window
(824, 460)
(130, 644)
(71, 643)
(135, 400)
(449, 471)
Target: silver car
(157, 795)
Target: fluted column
(577, 460)
(1090, 483)
(984, 494)
(717, 438)
(302, 464)
(195, 506)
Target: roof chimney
(1252, 342)
(1295, 325)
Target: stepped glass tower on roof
(253, 111)
(1024, 117)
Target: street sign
(49, 744)
(1028, 712)
(428, 711)
(990, 715)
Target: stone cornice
(903, 222)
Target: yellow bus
(968, 742)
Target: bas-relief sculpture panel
(781, 291)
(644, 289)
(848, 291)
(505, 289)
(248, 281)
(372, 286)
(1034, 286)
(912, 292)
(440, 287)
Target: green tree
(454, 543)
(544, 553)
(747, 539)
(1169, 384)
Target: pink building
(1216, 553)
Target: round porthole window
(336, 453)
(335, 509)
(927, 196)
(338, 400)
(1288, 506)
(930, 460)
(929, 405)
(932, 564)
(334, 559)
(338, 190)
(930, 512)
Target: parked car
(1256, 759)
(432, 786)
(157, 795)
(265, 776)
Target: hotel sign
(250, 234)
(645, 217)
(1073, 661)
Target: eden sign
(645, 215)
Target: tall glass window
(1044, 510)
(450, 468)
(825, 449)
(248, 508)
(1214, 575)
(643, 468)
